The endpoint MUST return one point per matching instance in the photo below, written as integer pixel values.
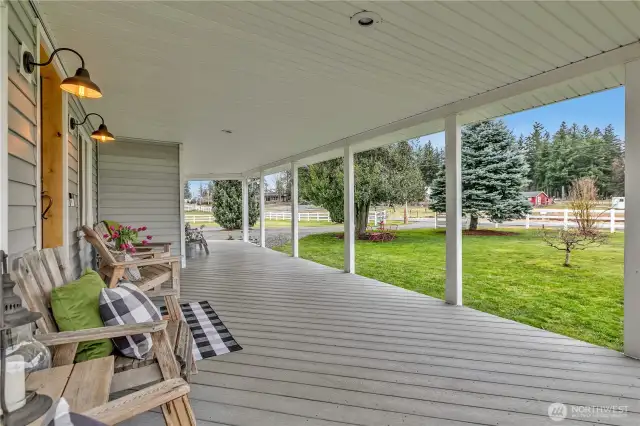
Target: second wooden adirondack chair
(159, 277)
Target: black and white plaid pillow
(126, 304)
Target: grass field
(515, 277)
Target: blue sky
(597, 110)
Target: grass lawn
(515, 277)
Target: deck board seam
(450, 377)
(545, 415)
(412, 385)
(428, 355)
(460, 368)
(343, 404)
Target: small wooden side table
(84, 385)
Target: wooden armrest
(145, 262)
(139, 402)
(141, 252)
(155, 243)
(64, 337)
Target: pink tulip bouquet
(125, 237)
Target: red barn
(537, 198)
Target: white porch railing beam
(453, 165)
(245, 210)
(263, 238)
(349, 212)
(295, 217)
(632, 212)
(215, 176)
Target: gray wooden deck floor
(326, 348)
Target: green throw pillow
(75, 306)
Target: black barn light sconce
(102, 134)
(80, 84)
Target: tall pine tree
(227, 203)
(493, 175)
(575, 152)
(430, 159)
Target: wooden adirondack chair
(154, 272)
(38, 272)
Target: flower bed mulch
(372, 236)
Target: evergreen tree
(560, 162)
(575, 152)
(493, 175)
(616, 187)
(322, 184)
(227, 203)
(536, 147)
(187, 191)
(430, 159)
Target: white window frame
(86, 194)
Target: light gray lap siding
(22, 142)
(140, 185)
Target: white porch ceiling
(290, 77)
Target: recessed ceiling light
(366, 19)
(227, 131)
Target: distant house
(274, 197)
(537, 198)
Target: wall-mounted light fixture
(80, 84)
(102, 134)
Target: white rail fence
(197, 208)
(604, 218)
(302, 216)
(611, 219)
(375, 217)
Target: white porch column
(349, 212)
(453, 167)
(632, 212)
(183, 180)
(294, 210)
(245, 210)
(263, 239)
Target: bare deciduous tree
(583, 200)
(583, 203)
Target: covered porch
(322, 347)
(239, 90)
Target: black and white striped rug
(210, 336)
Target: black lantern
(28, 409)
